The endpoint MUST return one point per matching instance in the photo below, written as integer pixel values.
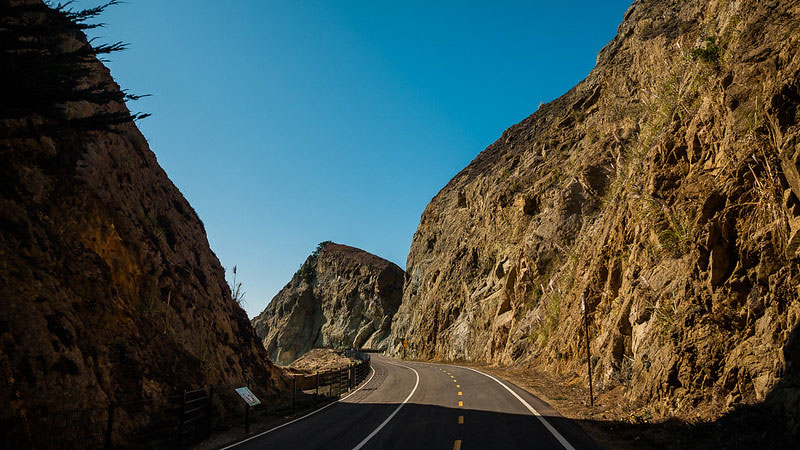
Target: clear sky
(287, 123)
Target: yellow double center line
(457, 443)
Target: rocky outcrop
(109, 288)
(341, 297)
(663, 191)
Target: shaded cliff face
(663, 190)
(341, 297)
(109, 288)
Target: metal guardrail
(176, 421)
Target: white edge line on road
(376, 430)
(303, 417)
(533, 410)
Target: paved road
(406, 405)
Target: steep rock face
(662, 190)
(340, 297)
(109, 288)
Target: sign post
(250, 400)
(405, 344)
(588, 351)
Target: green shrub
(308, 270)
(676, 236)
(665, 312)
(709, 54)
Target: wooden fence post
(181, 419)
(210, 410)
(109, 426)
(294, 394)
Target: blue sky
(286, 123)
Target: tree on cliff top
(308, 269)
(43, 75)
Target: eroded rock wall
(662, 190)
(108, 286)
(341, 297)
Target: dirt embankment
(320, 360)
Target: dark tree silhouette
(46, 64)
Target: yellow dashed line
(460, 403)
(459, 392)
(461, 420)
(458, 385)
(457, 445)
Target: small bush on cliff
(319, 248)
(674, 229)
(664, 312)
(676, 237)
(709, 54)
(548, 317)
(236, 289)
(308, 269)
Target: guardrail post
(210, 410)
(294, 394)
(181, 419)
(316, 392)
(109, 426)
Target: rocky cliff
(663, 191)
(341, 297)
(109, 288)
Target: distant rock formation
(662, 191)
(108, 287)
(340, 297)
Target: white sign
(248, 396)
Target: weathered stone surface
(662, 189)
(108, 286)
(341, 297)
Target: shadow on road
(345, 425)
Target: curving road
(422, 405)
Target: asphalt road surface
(406, 405)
